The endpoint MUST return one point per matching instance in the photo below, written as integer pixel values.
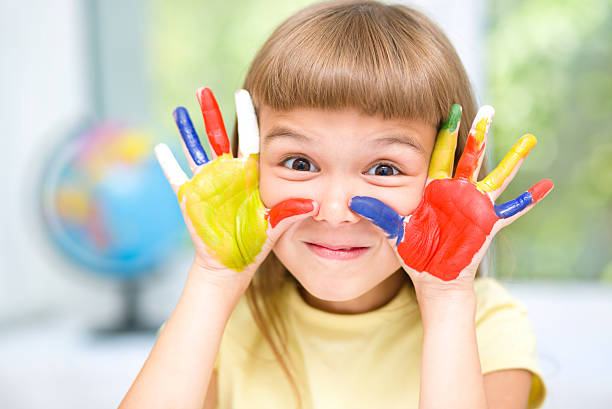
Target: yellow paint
(223, 204)
(443, 156)
(481, 129)
(519, 151)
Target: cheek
(273, 189)
(404, 199)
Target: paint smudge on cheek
(223, 204)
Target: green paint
(453, 118)
(223, 203)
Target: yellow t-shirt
(369, 360)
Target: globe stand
(130, 321)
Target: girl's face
(331, 156)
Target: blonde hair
(386, 60)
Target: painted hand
(228, 223)
(448, 233)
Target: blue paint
(512, 207)
(380, 214)
(189, 135)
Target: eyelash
(292, 159)
(395, 170)
(289, 163)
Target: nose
(334, 200)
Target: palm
(453, 225)
(228, 223)
(449, 226)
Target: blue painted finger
(189, 135)
(514, 206)
(380, 214)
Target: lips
(336, 251)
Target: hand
(229, 225)
(449, 232)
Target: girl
(336, 269)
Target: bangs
(374, 58)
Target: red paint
(215, 128)
(540, 189)
(288, 208)
(470, 157)
(447, 229)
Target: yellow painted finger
(498, 176)
(443, 157)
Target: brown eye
(300, 164)
(383, 169)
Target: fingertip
(161, 149)
(289, 208)
(454, 118)
(486, 111)
(201, 93)
(179, 114)
(379, 214)
(541, 189)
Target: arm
(508, 389)
(440, 246)
(181, 363)
(451, 375)
(232, 233)
(454, 367)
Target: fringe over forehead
(380, 59)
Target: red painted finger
(472, 156)
(541, 189)
(215, 128)
(288, 208)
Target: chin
(336, 285)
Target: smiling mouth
(336, 252)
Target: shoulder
(242, 339)
(505, 335)
(501, 319)
(492, 297)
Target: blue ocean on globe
(107, 204)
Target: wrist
(226, 284)
(448, 304)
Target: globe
(109, 208)
(107, 204)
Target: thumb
(288, 212)
(380, 215)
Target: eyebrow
(279, 132)
(402, 138)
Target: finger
(379, 214)
(288, 212)
(496, 181)
(175, 175)
(195, 153)
(215, 128)
(472, 156)
(443, 156)
(248, 130)
(290, 208)
(532, 196)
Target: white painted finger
(248, 129)
(175, 175)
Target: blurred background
(94, 253)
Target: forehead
(313, 125)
